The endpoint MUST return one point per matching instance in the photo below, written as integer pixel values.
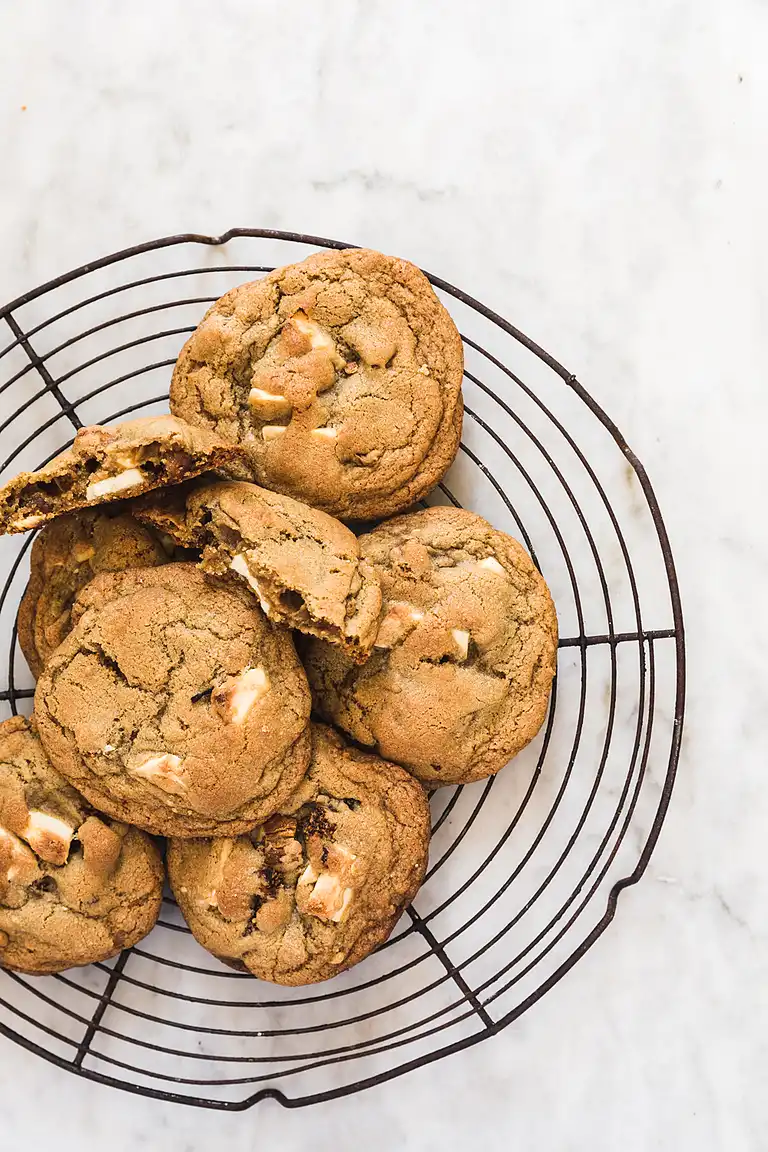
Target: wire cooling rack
(526, 868)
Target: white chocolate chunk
(329, 901)
(341, 862)
(424, 370)
(239, 564)
(238, 694)
(130, 478)
(48, 836)
(461, 640)
(129, 457)
(272, 431)
(304, 887)
(332, 890)
(326, 898)
(324, 433)
(24, 523)
(164, 770)
(346, 900)
(21, 864)
(400, 619)
(308, 876)
(492, 565)
(266, 404)
(252, 685)
(318, 337)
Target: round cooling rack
(526, 868)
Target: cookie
(111, 462)
(314, 889)
(303, 565)
(66, 554)
(174, 704)
(466, 650)
(340, 376)
(75, 886)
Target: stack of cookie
(183, 561)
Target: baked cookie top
(111, 462)
(174, 704)
(65, 555)
(302, 565)
(75, 886)
(340, 376)
(466, 650)
(314, 889)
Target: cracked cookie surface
(303, 566)
(460, 675)
(111, 462)
(316, 888)
(174, 704)
(75, 886)
(65, 556)
(340, 377)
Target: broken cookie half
(113, 462)
(303, 566)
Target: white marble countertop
(597, 173)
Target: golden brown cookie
(66, 554)
(340, 376)
(75, 887)
(466, 650)
(174, 704)
(111, 462)
(303, 565)
(314, 889)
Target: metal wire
(508, 905)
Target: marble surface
(597, 173)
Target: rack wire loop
(526, 868)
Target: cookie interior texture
(111, 462)
(317, 887)
(75, 886)
(65, 556)
(340, 377)
(302, 565)
(461, 672)
(174, 704)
